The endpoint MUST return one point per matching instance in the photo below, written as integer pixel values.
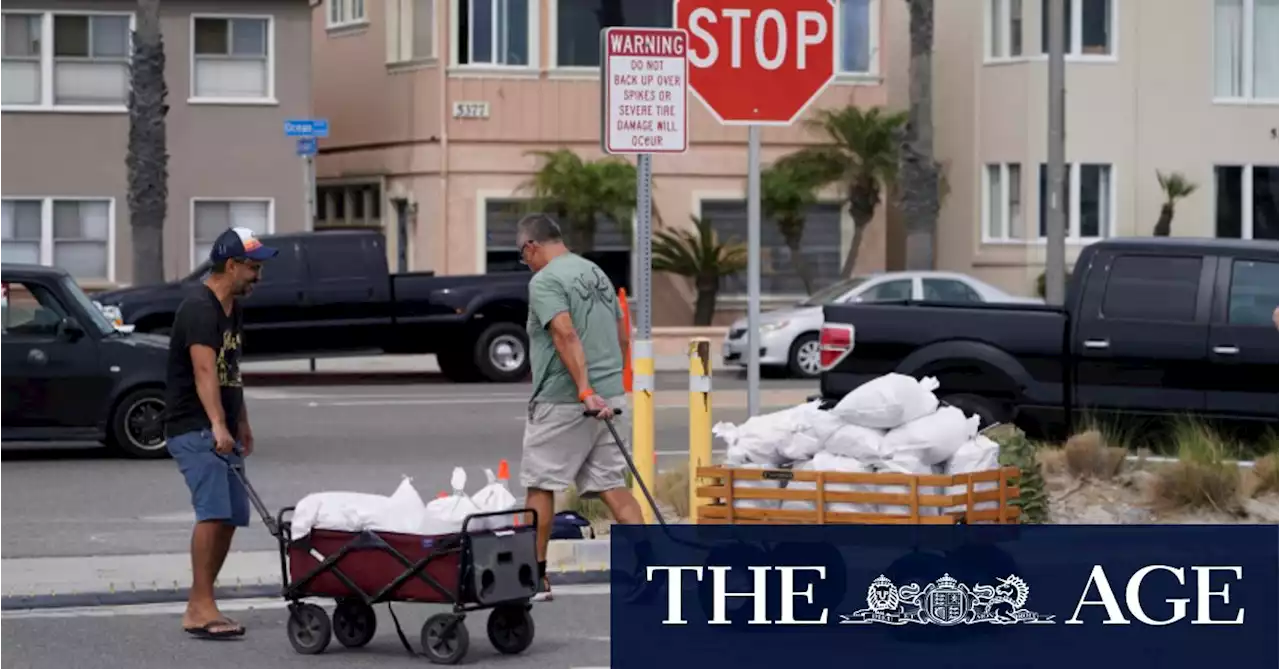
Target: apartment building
(236, 70)
(1184, 86)
(434, 106)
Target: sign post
(757, 63)
(307, 131)
(644, 79)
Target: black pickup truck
(330, 292)
(1154, 327)
(70, 375)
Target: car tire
(137, 429)
(804, 359)
(502, 353)
(989, 411)
(457, 366)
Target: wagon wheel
(510, 629)
(354, 623)
(309, 629)
(445, 638)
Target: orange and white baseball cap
(239, 243)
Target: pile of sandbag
(890, 424)
(404, 511)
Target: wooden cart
(815, 497)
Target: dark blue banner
(1083, 597)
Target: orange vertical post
(626, 355)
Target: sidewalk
(56, 582)
(401, 365)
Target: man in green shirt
(576, 342)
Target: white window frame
(1073, 51)
(530, 71)
(191, 220)
(1002, 9)
(46, 229)
(47, 103)
(1073, 203)
(348, 16)
(269, 100)
(1246, 197)
(397, 31)
(872, 75)
(1247, 98)
(985, 209)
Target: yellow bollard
(699, 416)
(642, 422)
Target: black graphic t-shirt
(201, 320)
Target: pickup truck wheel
(137, 426)
(457, 366)
(502, 353)
(989, 412)
(805, 359)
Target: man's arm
(565, 339)
(624, 337)
(204, 362)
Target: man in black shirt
(206, 417)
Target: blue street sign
(318, 127)
(306, 146)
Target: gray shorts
(563, 447)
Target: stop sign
(758, 61)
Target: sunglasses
(523, 247)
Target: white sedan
(789, 336)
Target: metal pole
(1055, 266)
(753, 270)
(642, 351)
(309, 192)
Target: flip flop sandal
(207, 631)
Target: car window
(833, 291)
(1255, 293)
(30, 310)
(949, 290)
(898, 289)
(1152, 288)
(338, 257)
(286, 267)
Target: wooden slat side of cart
(915, 499)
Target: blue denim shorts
(216, 493)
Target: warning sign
(644, 86)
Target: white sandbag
(800, 504)
(888, 401)
(339, 511)
(494, 497)
(827, 462)
(854, 441)
(756, 503)
(933, 438)
(403, 511)
(812, 420)
(905, 463)
(976, 455)
(760, 439)
(801, 446)
(444, 515)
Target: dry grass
(672, 489)
(592, 508)
(1088, 455)
(1202, 477)
(1266, 474)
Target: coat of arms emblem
(947, 602)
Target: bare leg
(623, 505)
(542, 501)
(210, 541)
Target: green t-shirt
(574, 284)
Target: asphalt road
(357, 438)
(572, 632)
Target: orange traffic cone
(442, 494)
(504, 476)
(626, 355)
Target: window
(31, 310)
(346, 13)
(1255, 292)
(410, 30)
(612, 251)
(820, 247)
(1089, 28)
(1004, 29)
(1002, 202)
(889, 291)
(1152, 288)
(858, 35)
(74, 234)
(232, 59)
(1245, 49)
(1246, 201)
(88, 56)
(579, 22)
(949, 290)
(349, 204)
(495, 33)
(210, 218)
(1089, 194)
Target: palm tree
(919, 192)
(701, 257)
(147, 160)
(579, 192)
(861, 154)
(1175, 187)
(787, 190)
